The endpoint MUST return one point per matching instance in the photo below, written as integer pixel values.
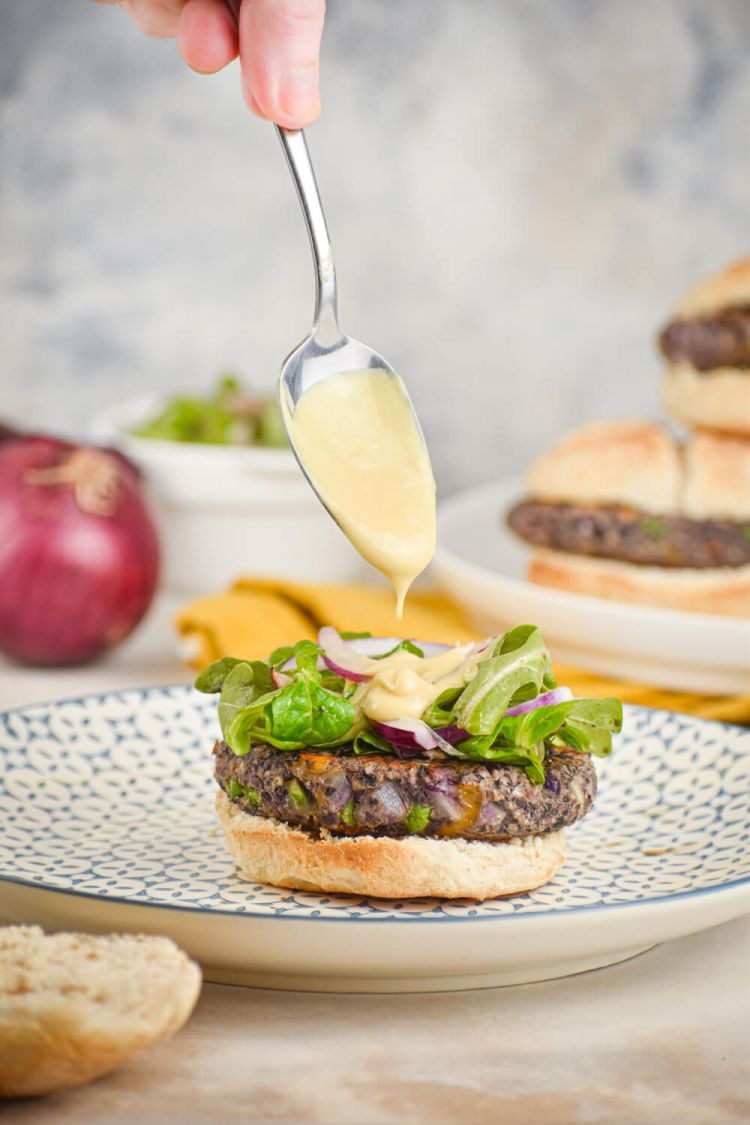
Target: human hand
(278, 43)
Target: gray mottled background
(516, 191)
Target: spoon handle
(325, 324)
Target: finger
(279, 49)
(155, 17)
(207, 35)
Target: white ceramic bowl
(225, 511)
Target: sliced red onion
(445, 802)
(552, 782)
(372, 647)
(280, 678)
(340, 657)
(355, 659)
(413, 736)
(453, 734)
(410, 734)
(549, 699)
(339, 790)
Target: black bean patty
(376, 795)
(719, 340)
(615, 531)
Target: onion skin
(79, 562)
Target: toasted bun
(724, 591)
(268, 851)
(722, 290)
(629, 462)
(641, 464)
(719, 399)
(717, 477)
(73, 1007)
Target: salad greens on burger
(496, 702)
(398, 768)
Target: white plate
(483, 566)
(106, 805)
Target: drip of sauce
(357, 437)
(405, 685)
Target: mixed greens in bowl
(229, 415)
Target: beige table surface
(662, 1038)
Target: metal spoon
(327, 350)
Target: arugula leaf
(212, 678)
(589, 726)
(440, 713)
(520, 740)
(519, 659)
(281, 655)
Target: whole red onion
(79, 555)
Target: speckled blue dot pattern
(112, 796)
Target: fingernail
(298, 92)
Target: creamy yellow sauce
(357, 437)
(404, 685)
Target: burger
(392, 768)
(707, 349)
(623, 510)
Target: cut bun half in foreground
(73, 1006)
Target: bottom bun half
(724, 591)
(268, 851)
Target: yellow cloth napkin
(256, 615)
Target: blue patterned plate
(106, 808)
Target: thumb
(279, 51)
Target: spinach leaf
(281, 655)
(306, 714)
(246, 683)
(212, 678)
